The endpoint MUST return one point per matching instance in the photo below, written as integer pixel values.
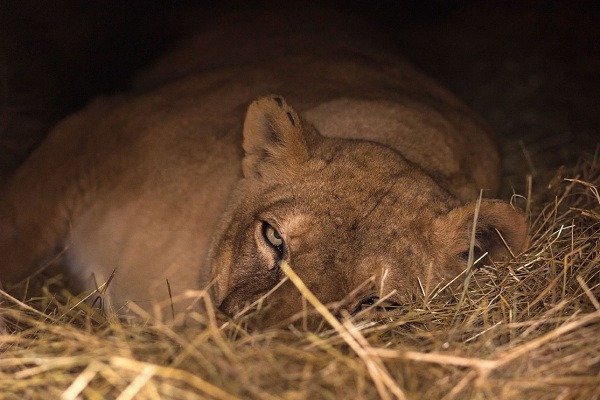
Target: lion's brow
(366, 215)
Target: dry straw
(528, 328)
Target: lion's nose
(230, 306)
(371, 303)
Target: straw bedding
(526, 328)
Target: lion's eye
(273, 237)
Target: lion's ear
(501, 230)
(275, 138)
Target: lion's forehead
(364, 199)
(354, 203)
(368, 218)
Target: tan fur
(373, 174)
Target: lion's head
(354, 219)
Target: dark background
(531, 68)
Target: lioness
(365, 169)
